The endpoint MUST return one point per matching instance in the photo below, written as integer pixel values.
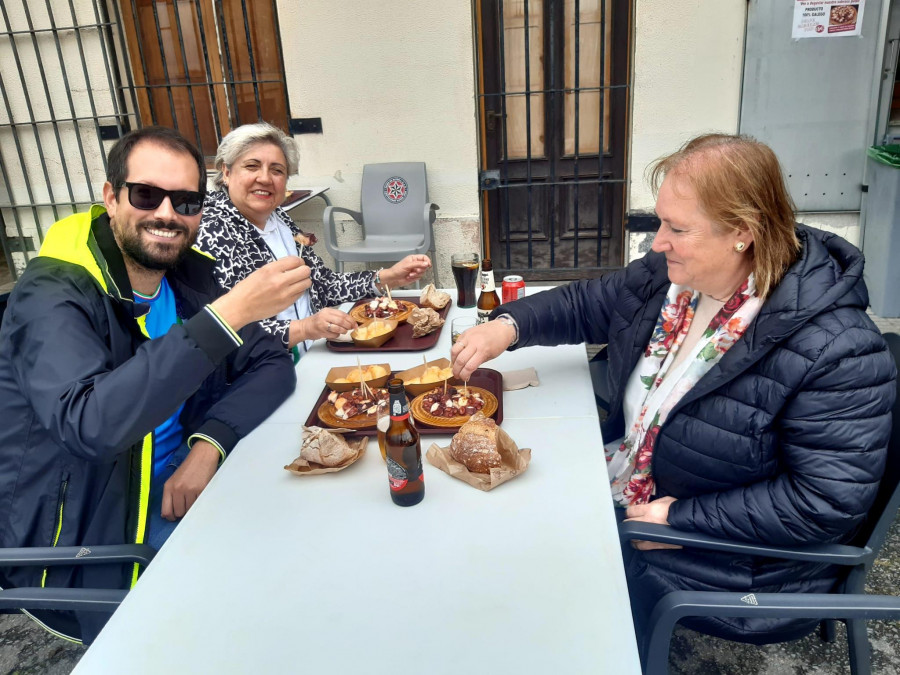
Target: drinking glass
(459, 326)
(465, 272)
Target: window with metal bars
(205, 67)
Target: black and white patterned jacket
(239, 250)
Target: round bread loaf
(475, 444)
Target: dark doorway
(554, 99)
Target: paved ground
(26, 648)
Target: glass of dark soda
(465, 273)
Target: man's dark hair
(117, 162)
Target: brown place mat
(484, 378)
(403, 340)
(358, 312)
(417, 408)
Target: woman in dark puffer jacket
(751, 393)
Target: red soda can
(513, 288)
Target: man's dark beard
(132, 247)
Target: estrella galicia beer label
(399, 411)
(397, 475)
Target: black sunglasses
(149, 197)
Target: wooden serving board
(417, 408)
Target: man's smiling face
(155, 239)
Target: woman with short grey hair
(236, 143)
(244, 227)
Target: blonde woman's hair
(240, 140)
(740, 186)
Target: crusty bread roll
(475, 444)
(431, 297)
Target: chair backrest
(393, 197)
(887, 503)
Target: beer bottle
(404, 453)
(488, 301)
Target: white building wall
(688, 58)
(688, 62)
(391, 82)
(395, 83)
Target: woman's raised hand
(408, 270)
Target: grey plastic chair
(75, 599)
(394, 212)
(848, 602)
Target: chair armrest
(328, 226)
(429, 216)
(677, 605)
(74, 599)
(76, 555)
(836, 554)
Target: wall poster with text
(827, 18)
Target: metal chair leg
(860, 650)
(828, 631)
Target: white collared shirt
(280, 240)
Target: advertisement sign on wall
(827, 18)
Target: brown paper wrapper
(513, 461)
(357, 448)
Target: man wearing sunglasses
(126, 374)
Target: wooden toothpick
(362, 381)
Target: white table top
(273, 573)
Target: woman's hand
(479, 344)
(408, 270)
(326, 323)
(657, 512)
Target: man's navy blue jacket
(82, 388)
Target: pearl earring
(739, 247)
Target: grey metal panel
(809, 100)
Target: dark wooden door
(554, 135)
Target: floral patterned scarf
(653, 395)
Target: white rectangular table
(273, 573)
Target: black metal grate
(75, 77)
(544, 229)
(59, 92)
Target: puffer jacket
(782, 442)
(240, 250)
(82, 388)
